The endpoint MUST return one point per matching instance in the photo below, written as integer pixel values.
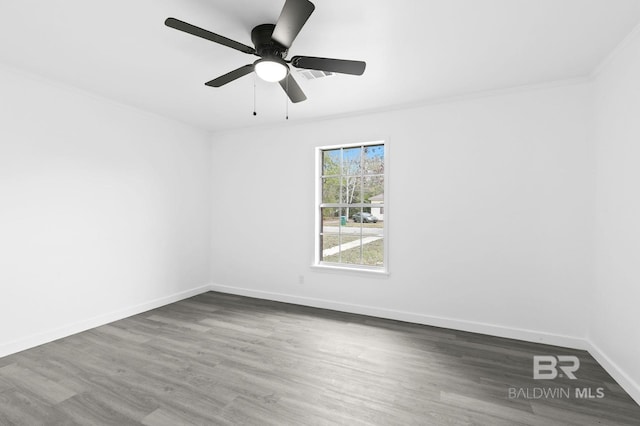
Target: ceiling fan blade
(230, 76)
(290, 86)
(326, 64)
(208, 35)
(292, 18)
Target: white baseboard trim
(83, 325)
(462, 325)
(628, 384)
(623, 379)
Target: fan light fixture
(271, 42)
(271, 69)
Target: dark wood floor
(221, 359)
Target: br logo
(545, 367)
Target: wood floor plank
(23, 378)
(123, 334)
(178, 323)
(23, 408)
(5, 385)
(164, 417)
(220, 359)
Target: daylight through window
(352, 206)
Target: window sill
(336, 269)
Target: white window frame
(339, 267)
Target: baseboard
(628, 384)
(80, 326)
(416, 318)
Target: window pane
(330, 219)
(373, 251)
(331, 189)
(373, 229)
(354, 214)
(373, 189)
(330, 234)
(352, 251)
(351, 190)
(351, 161)
(373, 159)
(330, 248)
(331, 162)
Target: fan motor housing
(264, 44)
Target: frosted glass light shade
(271, 70)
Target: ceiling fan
(272, 43)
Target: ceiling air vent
(315, 74)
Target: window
(351, 207)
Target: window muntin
(351, 229)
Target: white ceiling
(416, 50)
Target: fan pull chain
(286, 99)
(254, 95)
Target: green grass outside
(329, 241)
(372, 255)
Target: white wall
(104, 211)
(489, 214)
(615, 326)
